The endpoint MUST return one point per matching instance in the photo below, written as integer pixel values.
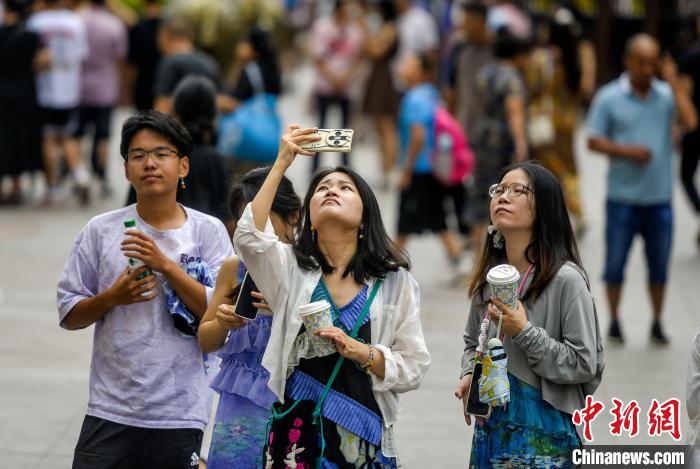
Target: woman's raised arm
(289, 148)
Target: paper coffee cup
(503, 280)
(314, 316)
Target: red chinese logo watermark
(662, 418)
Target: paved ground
(45, 369)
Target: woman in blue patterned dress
(552, 338)
(244, 403)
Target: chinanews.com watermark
(630, 456)
(627, 419)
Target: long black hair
(286, 203)
(553, 242)
(376, 252)
(261, 42)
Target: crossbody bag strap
(353, 334)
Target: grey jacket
(560, 351)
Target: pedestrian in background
(552, 338)
(471, 53)
(100, 83)
(144, 56)
(631, 121)
(22, 55)
(422, 197)
(689, 66)
(336, 47)
(560, 77)
(206, 186)
(499, 136)
(58, 90)
(180, 59)
(381, 100)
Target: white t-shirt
(417, 32)
(63, 32)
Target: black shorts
(99, 118)
(59, 121)
(422, 206)
(104, 444)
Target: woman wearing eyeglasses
(552, 337)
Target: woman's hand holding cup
(514, 320)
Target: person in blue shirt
(631, 121)
(421, 206)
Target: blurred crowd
(518, 76)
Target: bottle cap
(129, 223)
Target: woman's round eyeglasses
(515, 189)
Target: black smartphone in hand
(474, 406)
(244, 303)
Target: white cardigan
(394, 318)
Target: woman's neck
(338, 248)
(159, 214)
(516, 248)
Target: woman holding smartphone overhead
(245, 400)
(341, 254)
(552, 338)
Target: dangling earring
(497, 236)
(313, 234)
(362, 229)
(182, 183)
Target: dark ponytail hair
(194, 102)
(553, 243)
(286, 203)
(376, 252)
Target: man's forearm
(612, 149)
(190, 291)
(89, 311)
(687, 114)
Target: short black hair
(475, 6)
(160, 123)
(286, 203)
(178, 26)
(376, 253)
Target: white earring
(497, 237)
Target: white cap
(313, 307)
(502, 274)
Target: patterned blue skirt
(527, 433)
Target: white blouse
(394, 318)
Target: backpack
(452, 159)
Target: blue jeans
(654, 223)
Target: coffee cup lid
(314, 307)
(501, 274)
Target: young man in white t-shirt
(58, 91)
(149, 396)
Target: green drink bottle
(136, 263)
